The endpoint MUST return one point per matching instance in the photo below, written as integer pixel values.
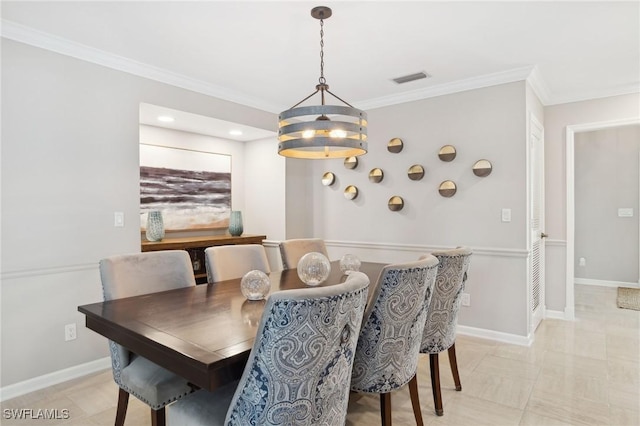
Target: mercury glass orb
(255, 285)
(349, 262)
(313, 268)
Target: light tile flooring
(585, 372)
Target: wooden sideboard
(195, 247)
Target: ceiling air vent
(411, 77)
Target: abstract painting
(191, 188)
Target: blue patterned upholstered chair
(292, 250)
(389, 343)
(299, 368)
(132, 275)
(233, 261)
(442, 317)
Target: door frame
(569, 310)
(536, 128)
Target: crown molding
(28, 35)
(487, 80)
(24, 34)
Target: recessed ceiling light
(166, 119)
(235, 132)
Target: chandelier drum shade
(322, 131)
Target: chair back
(292, 250)
(442, 317)
(134, 274)
(389, 343)
(233, 261)
(299, 368)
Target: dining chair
(292, 250)
(442, 317)
(389, 342)
(233, 261)
(132, 275)
(299, 367)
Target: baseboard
(554, 314)
(605, 283)
(41, 382)
(498, 336)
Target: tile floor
(585, 372)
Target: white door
(536, 225)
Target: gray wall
(606, 179)
(485, 123)
(70, 137)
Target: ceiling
(267, 54)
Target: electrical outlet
(466, 299)
(582, 262)
(70, 332)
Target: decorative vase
(313, 268)
(155, 226)
(235, 223)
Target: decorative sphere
(349, 262)
(313, 268)
(255, 285)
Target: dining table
(203, 333)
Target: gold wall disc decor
(395, 145)
(415, 172)
(350, 192)
(447, 188)
(351, 162)
(376, 175)
(447, 153)
(396, 203)
(328, 179)
(482, 168)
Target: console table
(196, 245)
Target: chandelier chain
(322, 80)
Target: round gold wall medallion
(482, 168)
(415, 172)
(376, 175)
(395, 145)
(350, 192)
(351, 162)
(396, 203)
(328, 179)
(447, 188)
(447, 153)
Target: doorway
(570, 202)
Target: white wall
(557, 118)
(70, 137)
(485, 123)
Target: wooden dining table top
(203, 333)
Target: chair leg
(121, 411)
(158, 417)
(454, 366)
(385, 408)
(435, 383)
(415, 400)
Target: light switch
(118, 219)
(506, 215)
(627, 212)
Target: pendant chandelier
(322, 131)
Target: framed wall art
(191, 188)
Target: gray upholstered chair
(132, 275)
(292, 250)
(389, 343)
(442, 316)
(299, 367)
(233, 261)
